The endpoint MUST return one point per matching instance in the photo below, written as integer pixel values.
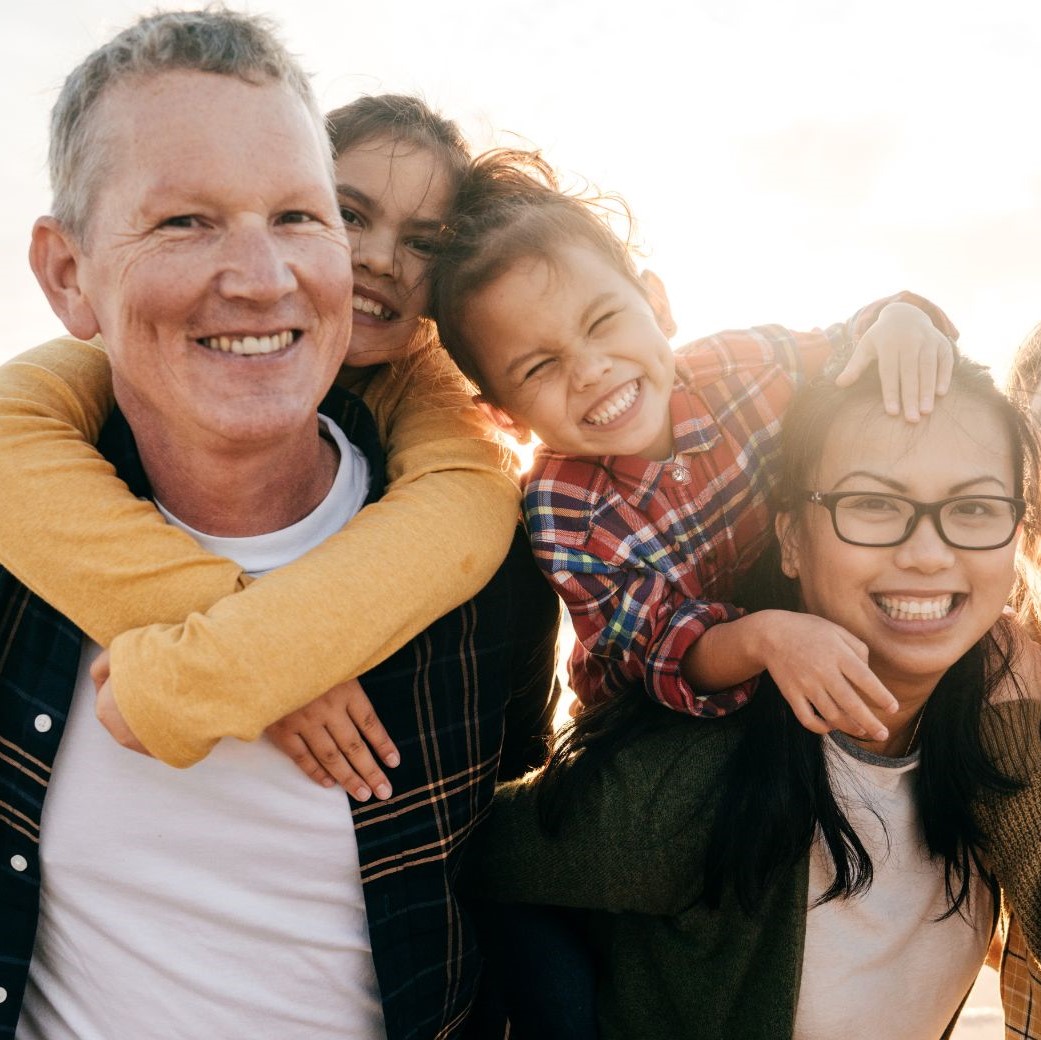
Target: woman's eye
(871, 504)
(973, 509)
(423, 246)
(602, 321)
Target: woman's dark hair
(510, 207)
(775, 791)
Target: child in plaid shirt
(649, 494)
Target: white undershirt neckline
(253, 925)
(882, 964)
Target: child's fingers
(859, 360)
(944, 367)
(292, 744)
(907, 365)
(831, 714)
(347, 753)
(928, 373)
(364, 716)
(805, 712)
(869, 685)
(848, 712)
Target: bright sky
(788, 159)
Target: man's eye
(182, 220)
(296, 216)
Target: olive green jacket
(632, 850)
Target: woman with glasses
(745, 877)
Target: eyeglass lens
(971, 523)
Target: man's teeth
(621, 402)
(249, 344)
(373, 307)
(916, 609)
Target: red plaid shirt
(645, 553)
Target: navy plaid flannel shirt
(444, 698)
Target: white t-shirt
(220, 901)
(881, 964)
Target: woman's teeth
(249, 344)
(621, 402)
(367, 306)
(900, 609)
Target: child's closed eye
(602, 322)
(539, 368)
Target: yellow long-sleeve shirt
(191, 662)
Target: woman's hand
(333, 738)
(822, 672)
(915, 360)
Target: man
(234, 898)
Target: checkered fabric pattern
(1020, 975)
(645, 553)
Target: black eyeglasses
(880, 520)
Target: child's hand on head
(333, 740)
(914, 359)
(822, 672)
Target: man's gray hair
(216, 40)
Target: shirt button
(679, 474)
(19, 863)
(42, 723)
(3, 994)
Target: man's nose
(256, 266)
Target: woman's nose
(925, 550)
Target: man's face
(215, 263)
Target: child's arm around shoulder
(69, 528)
(820, 669)
(431, 542)
(909, 337)
(110, 563)
(632, 621)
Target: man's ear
(658, 298)
(55, 260)
(497, 417)
(785, 529)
